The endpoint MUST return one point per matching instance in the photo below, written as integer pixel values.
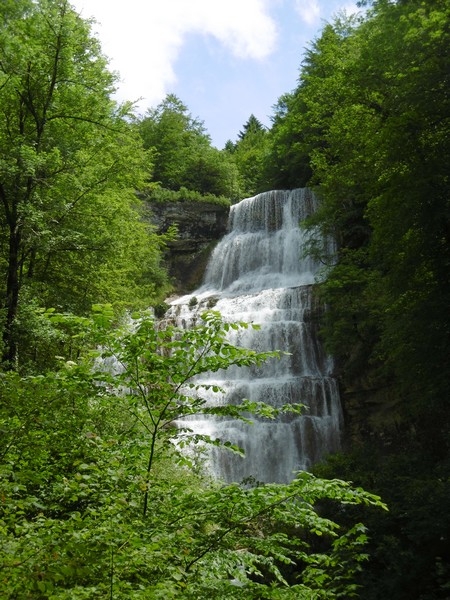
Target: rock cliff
(200, 225)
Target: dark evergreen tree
(249, 153)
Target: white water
(257, 274)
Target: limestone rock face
(200, 226)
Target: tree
(99, 496)
(252, 127)
(70, 162)
(182, 152)
(371, 113)
(249, 153)
(410, 215)
(287, 163)
(384, 187)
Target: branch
(220, 537)
(86, 120)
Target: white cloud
(309, 11)
(242, 26)
(144, 37)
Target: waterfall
(258, 274)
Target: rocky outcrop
(200, 226)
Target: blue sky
(225, 59)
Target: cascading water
(258, 274)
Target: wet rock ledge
(200, 227)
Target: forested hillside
(96, 499)
(368, 126)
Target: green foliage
(100, 499)
(160, 194)
(370, 120)
(249, 153)
(182, 153)
(287, 163)
(412, 533)
(69, 165)
(158, 363)
(374, 126)
(193, 302)
(97, 499)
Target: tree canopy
(183, 156)
(249, 153)
(368, 126)
(69, 166)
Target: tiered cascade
(258, 274)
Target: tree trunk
(9, 357)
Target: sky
(224, 59)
